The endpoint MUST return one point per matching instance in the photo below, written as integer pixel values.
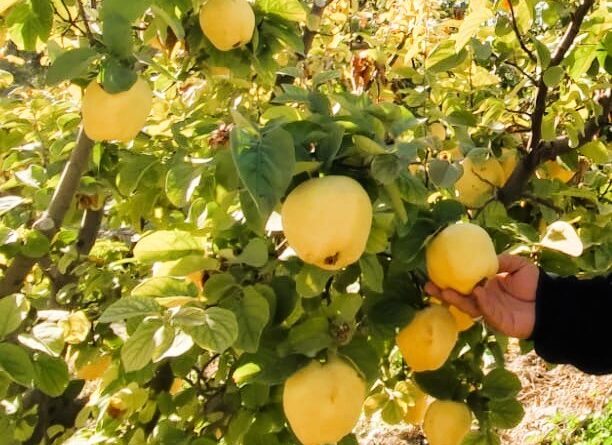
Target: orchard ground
(547, 392)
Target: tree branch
(307, 39)
(50, 222)
(518, 34)
(539, 152)
(549, 150)
(565, 44)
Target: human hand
(506, 301)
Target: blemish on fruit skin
(332, 259)
(236, 45)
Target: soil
(547, 391)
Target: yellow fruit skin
(477, 183)
(461, 256)
(462, 320)
(228, 24)
(416, 413)
(94, 369)
(327, 221)
(447, 422)
(323, 402)
(120, 116)
(428, 339)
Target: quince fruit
(322, 402)
(447, 422)
(119, 116)
(327, 221)
(428, 339)
(228, 24)
(461, 256)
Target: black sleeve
(574, 322)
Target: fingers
(450, 296)
(431, 289)
(462, 302)
(512, 263)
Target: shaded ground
(546, 392)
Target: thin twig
(89, 34)
(543, 201)
(522, 71)
(518, 34)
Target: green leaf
(372, 273)
(46, 337)
(265, 165)
(117, 35)
(35, 244)
(500, 384)
(185, 265)
(471, 24)
(190, 316)
(13, 310)
(311, 280)
(167, 245)
(364, 357)
(238, 426)
(130, 10)
(292, 10)
(393, 412)
(443, 173)
(129, 307)
(505, 414)
(265, 367)
(386, 168)
(70, 65)
(253, 313)
(138, 350)
(182, 180)
(542, 52)
(30, 22)
(220, 286)
(444, 57)
(167, 13)
(16, 364)
(50, 375)
(596, 151)
(553, 76)
(580, 60)
(368, 146)
(441, 384)
(8, 203)
(159, 287)
(217, 331)
(116, 77)
(254, 254)
(310, 336)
